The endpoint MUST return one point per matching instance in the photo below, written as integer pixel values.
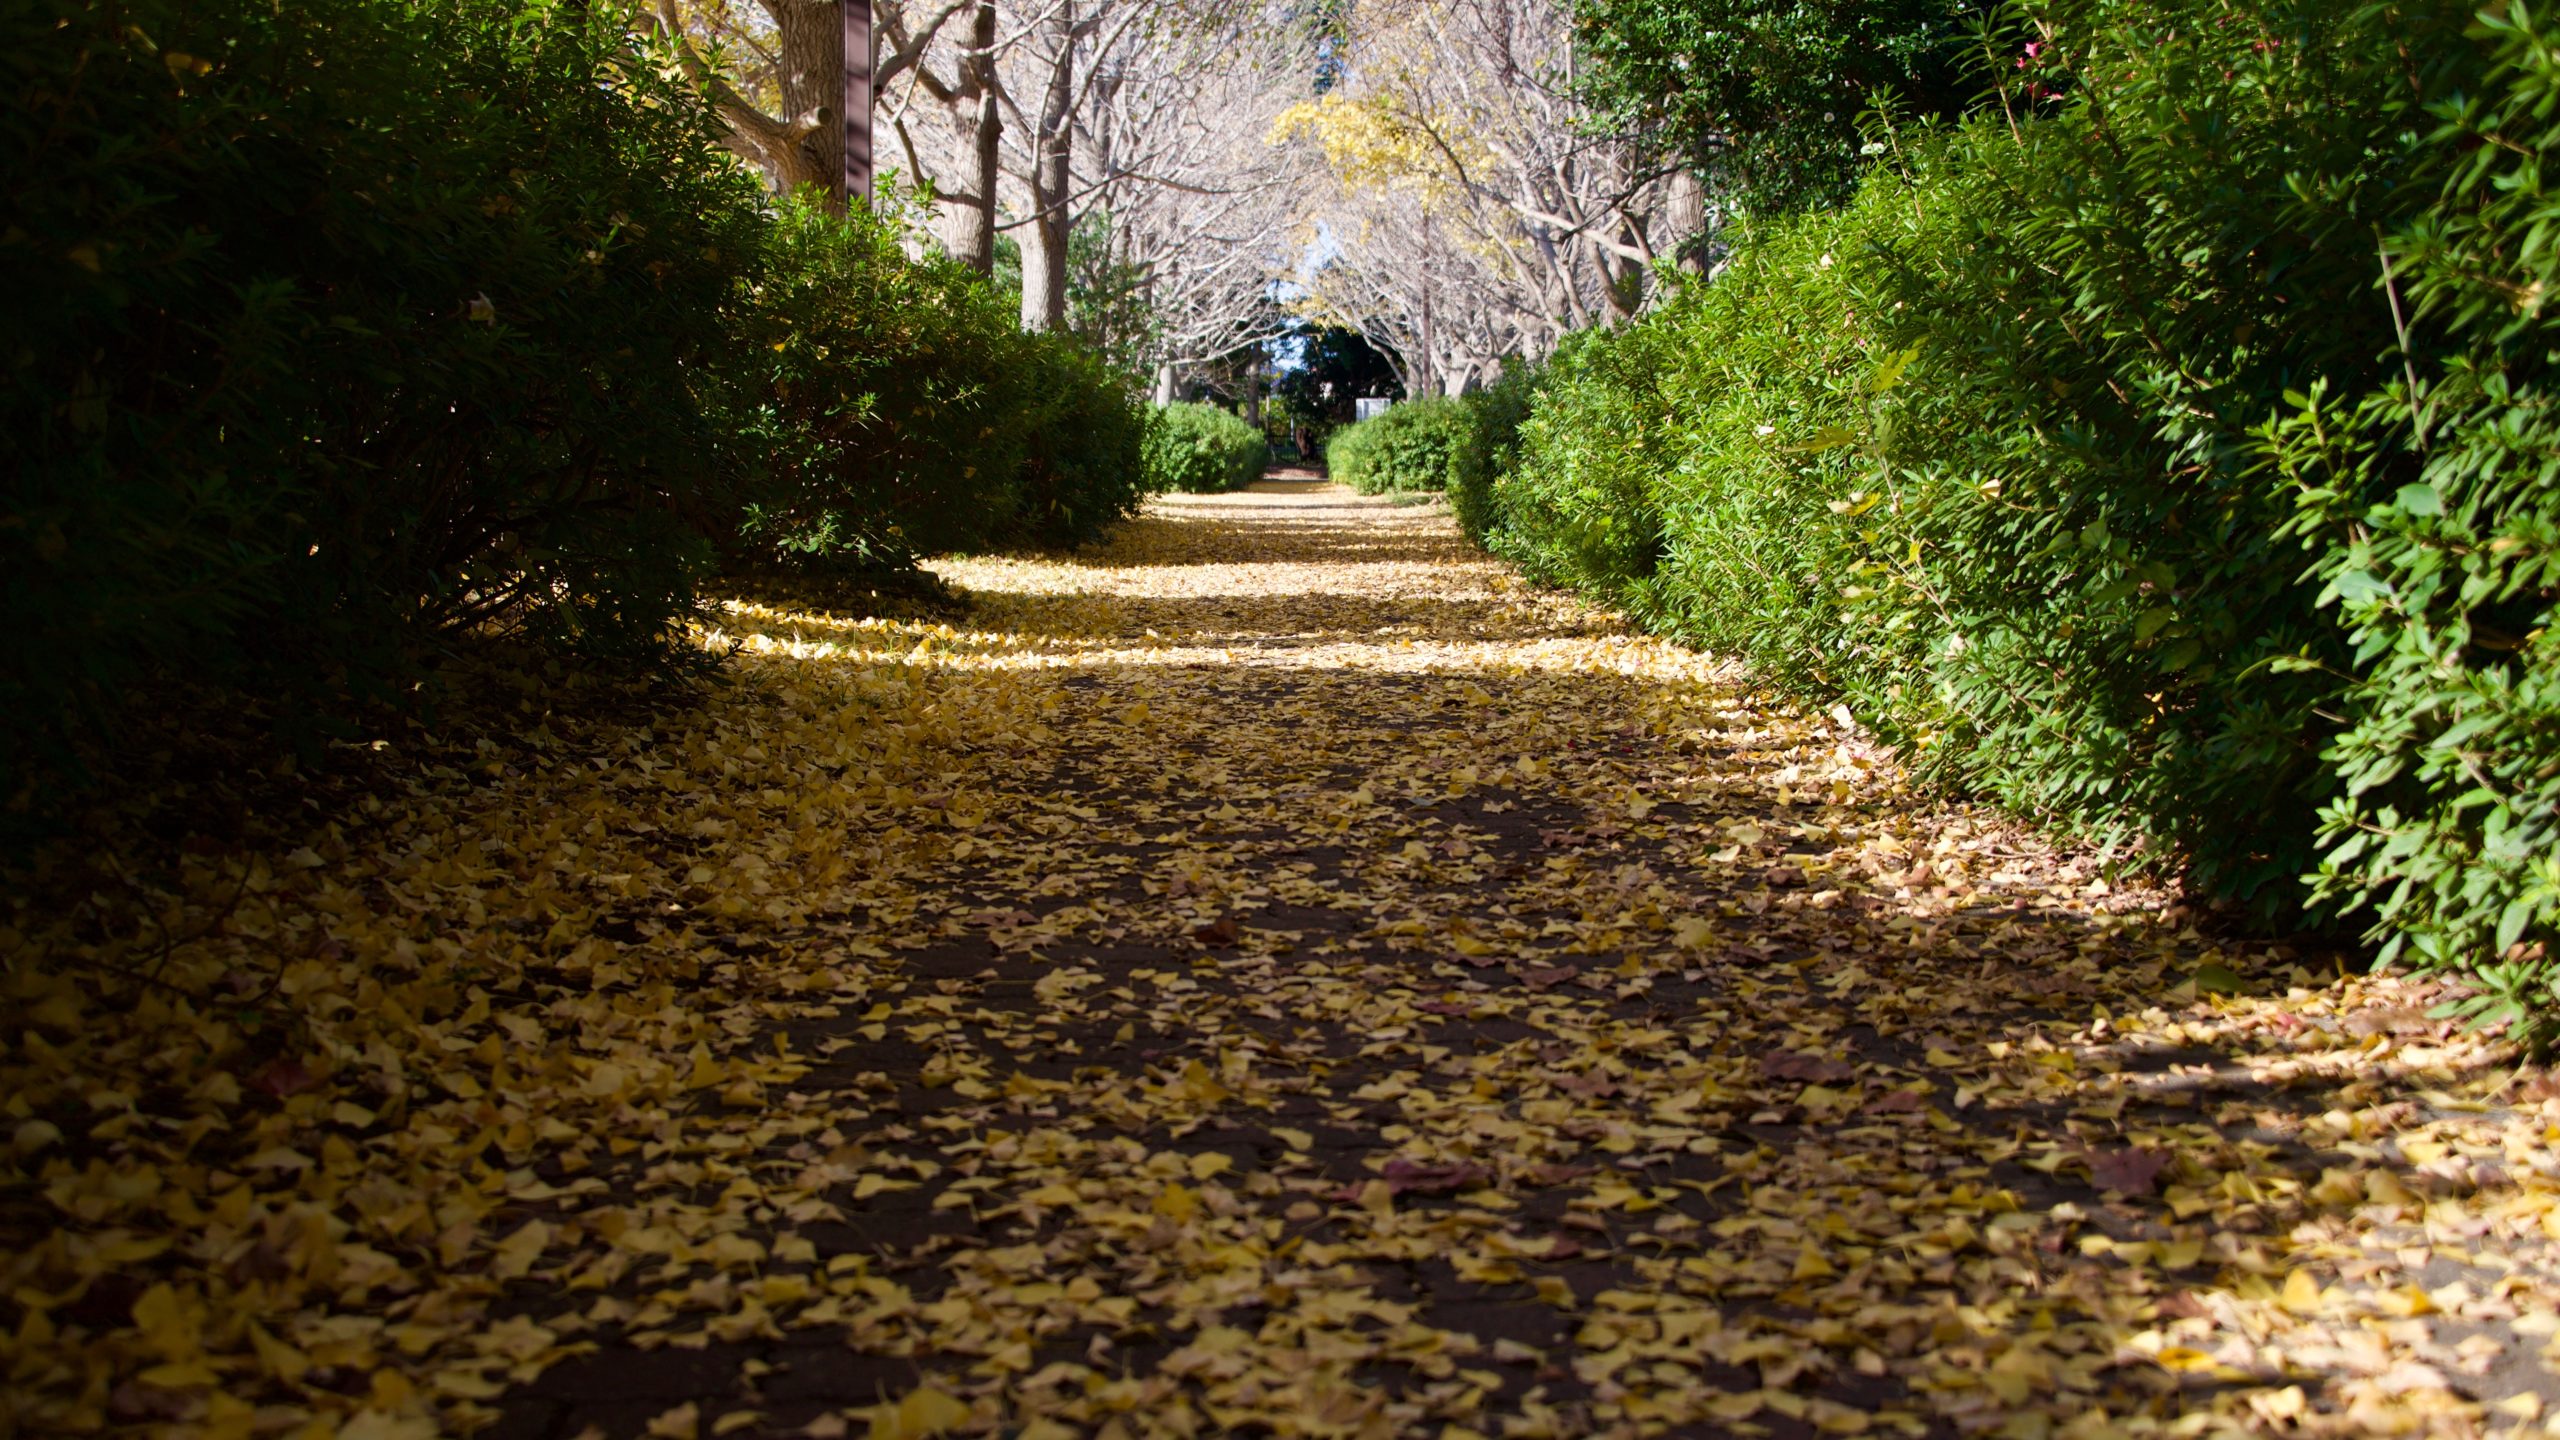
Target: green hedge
(1490, 448)
(876, 443)
(1578, 505)
(1200, 450)
(337, 325)
(868, 439)
(1410, 447)
(2076, 457)
(1084, 431)
(344, 328)
(2436, 516)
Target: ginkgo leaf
(2133, 1171)
(918, 1414)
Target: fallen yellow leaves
(1273, 973)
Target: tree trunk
(1621, 284)
(861, 61)
(804, 145)
(1685, 211)
(969, 216)
(1164, 384)
(1426, 362)
(1044, 240)
(809, 148)
(1253, 393)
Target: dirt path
(1279, 973)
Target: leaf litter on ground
(1274, 971)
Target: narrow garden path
(1276, 973)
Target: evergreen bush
(1200, 450)
(341, 325)
(1084, 432)
(2078, 453)
(2435, 511)
(887, 397)
(1409, 448)
(345, 328)
(1490, 447)
(1578, 506)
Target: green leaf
(2512, 923)
(2149, 622)
(1889, 374)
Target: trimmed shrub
(1491, 447)
(351, 327)
(2436, 511)
(1201, 449)
(1577, 507)
(2080, 457)
(888, 396)
(1410, 447)
(1084, 431)
(339, 325)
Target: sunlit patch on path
(1274, 972)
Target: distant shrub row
(1201, 450)
(339, 327)
(2171, 452)
(1458, 446)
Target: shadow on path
(1371, 998)
(1273, 973)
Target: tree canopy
(1771, 98)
